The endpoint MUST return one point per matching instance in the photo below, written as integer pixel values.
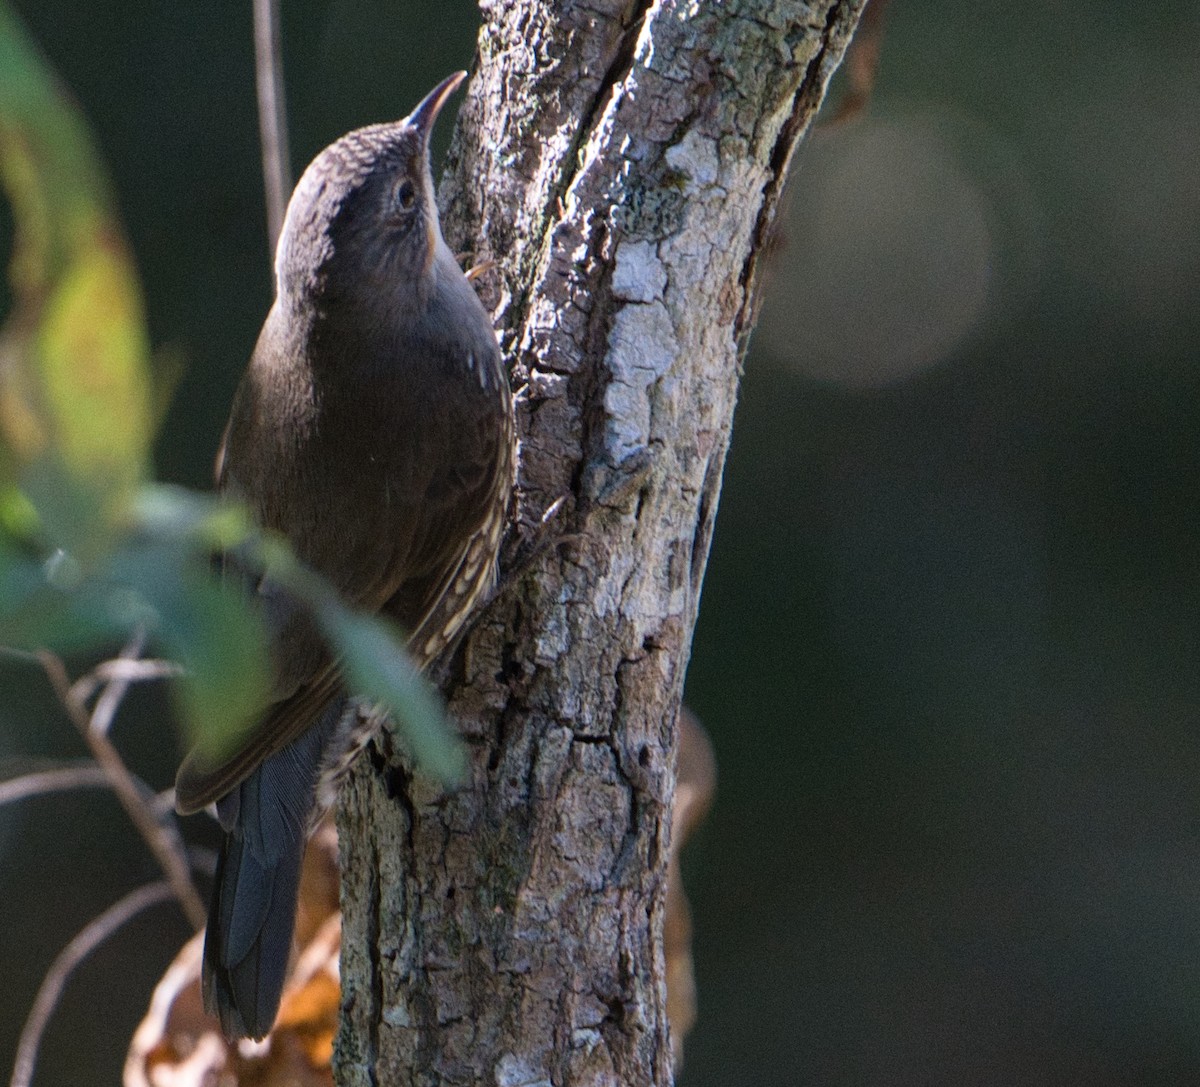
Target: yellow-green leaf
(74, 369)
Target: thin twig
(18, 654)
(272, 114)
(163, 803)
(90, 937)
(85, 776)
(51, 775)
(114, 690)
(137, 671)
(861, 66)
(163, 844)
(132, 671)
(203, 860)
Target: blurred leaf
(164, 585)
(74, 375)
(211, 628)
(17, 514)
(373, 658)
(42, 609)
(69, 511)
(206, 520)
(376, 666)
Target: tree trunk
(622, 163)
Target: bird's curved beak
(423, 117)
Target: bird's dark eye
(406, 196)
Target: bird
(373, 428)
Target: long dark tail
(253, 912)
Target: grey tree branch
(127, 670)
(84, 943)
(272, 114)
(622, 164)
(166, 847)
(56, 779)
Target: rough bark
(622, 164)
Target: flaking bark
(622, 164)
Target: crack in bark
(541, 234)
(618, 69)
(374, 958)
(839, 24)
(706, 520)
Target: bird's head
(363, 222)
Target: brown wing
(467, 503)
(199, 784)
(444, 522)
(305, 679)
(447, 600)
(443, 600)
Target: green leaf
(43, 606)
(18, 517)
(371, 651)
(377, 666)
(212, 629)
(164, 587)
(200, 520)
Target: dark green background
(947, 649)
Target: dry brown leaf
(861, 65)
(179, 1045)
(695, 787)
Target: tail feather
(249, 938)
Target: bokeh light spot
(887, 265)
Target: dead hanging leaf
(861, 65)
(695, 787)
(179, 1045)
